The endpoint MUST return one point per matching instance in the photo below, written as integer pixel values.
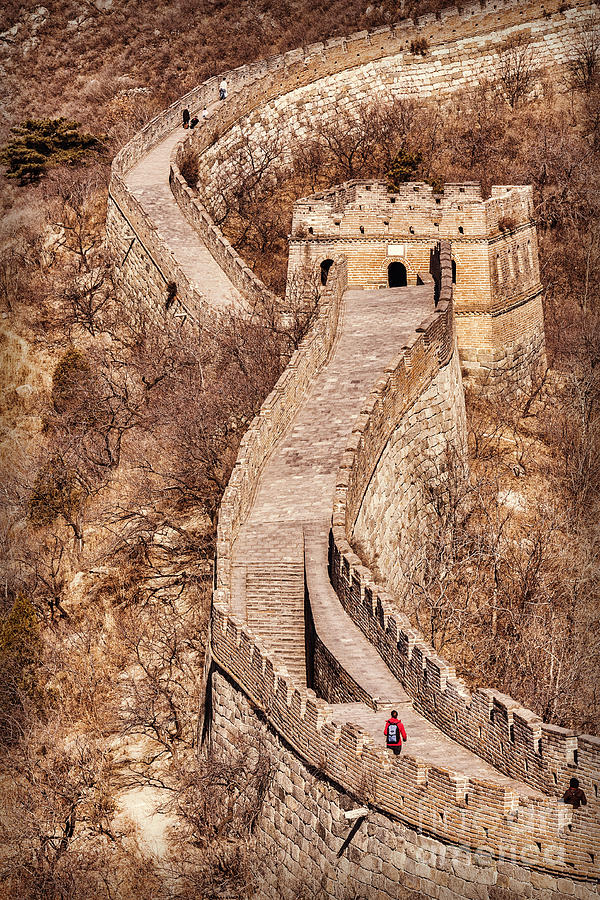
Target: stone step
(274, 594)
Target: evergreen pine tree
(403, 167)
(39, 144)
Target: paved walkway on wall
(148, 180)
(294, 502)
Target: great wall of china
(308, 653)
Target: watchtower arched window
(325, 267)
(453, 271)
(397, 275)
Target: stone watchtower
(388, 238)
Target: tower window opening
(453, 271)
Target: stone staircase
(268, 590)
(275, 611)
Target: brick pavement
(148, 180)
(293, 507)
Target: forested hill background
(74, 59)
(119, 430)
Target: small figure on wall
(194, 121)
(395, 733)
(223, 90)
(186, 117)
(574, 795)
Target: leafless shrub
(516, 70)
(219, 801)
(584, 67)
(419, 47)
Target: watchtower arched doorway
(325, 267)
(397, 275)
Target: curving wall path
(308, 652)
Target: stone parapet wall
(302, 828)
(472, 813)
(494, 726)
(455, 809)
(239, 273)
(145, 265)
(491, 724)
(325, 79)
(412, 208)
(404, 380)
(272, 421)
(279, 99)
(392, 525)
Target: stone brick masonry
(497, 289)
(479, 821)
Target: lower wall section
(506, 349)
(138, 275)
(391, 523)
(302, 827)
(146, 269)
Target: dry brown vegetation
(507, 587)
(110, 65)
(118, 438)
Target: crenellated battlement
(499, 833)
(538, 831)
(413, 211)
(389, 234)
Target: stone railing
(539, 833)
(470, 812)
(189, 299)
(492, 725)
(464, 48)
(252, 86)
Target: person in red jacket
(394, 733)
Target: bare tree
(516, 69)
(219, 801)
(584, 67)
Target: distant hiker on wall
(186, 118)
(574, 795)
(204, 114)
(194, 122)
(394, 733)
(223, 90)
